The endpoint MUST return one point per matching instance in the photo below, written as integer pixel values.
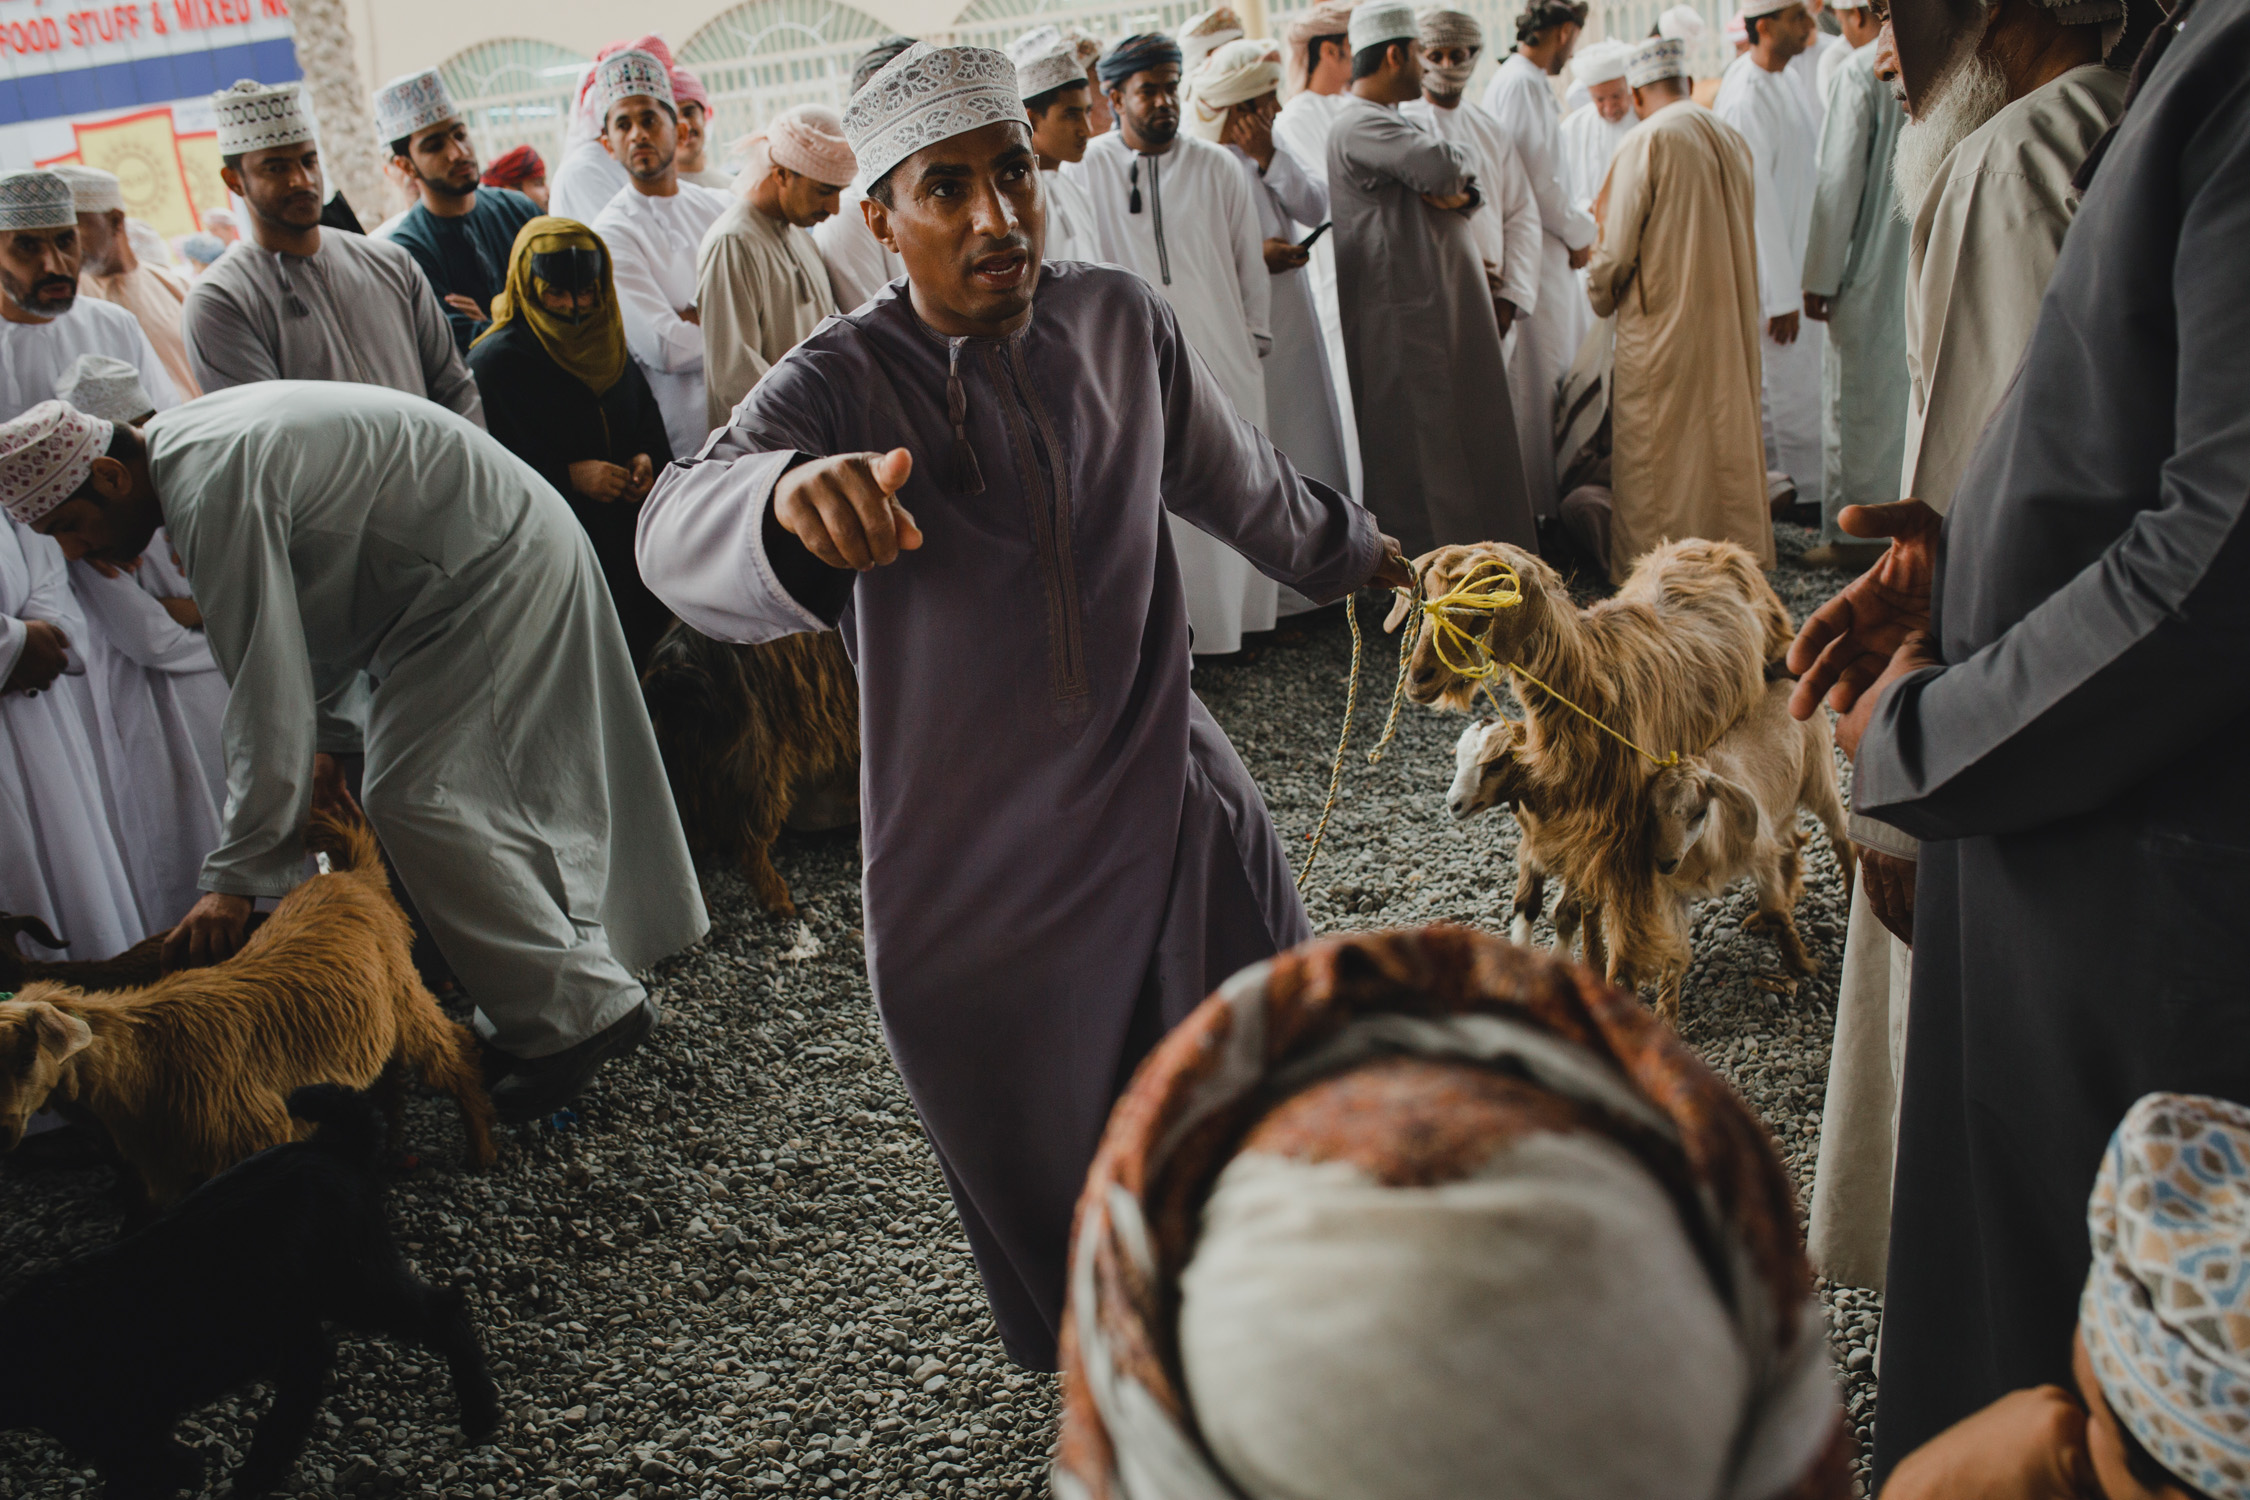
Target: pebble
(737, 1273)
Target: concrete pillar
(341, 103)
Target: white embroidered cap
(1379, 21)
(1754, 8)
(925, 95)
(410, 104)
(1657, 59)
(255, 117)
(1605, 61)
(1045, 59)
(102, 385)
(627, 75)
(36, 200)
(1683, 23)
(45, 455)
(91, 189)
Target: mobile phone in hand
(1307, 242)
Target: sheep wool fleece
(1063, 852)
(332, 529)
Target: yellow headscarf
(593, 348)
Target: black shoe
(538, 1086)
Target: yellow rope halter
(1487, 588)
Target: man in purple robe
(1063, 853)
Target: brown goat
(1671, 662)
(143, 963)
(1486, 773)
(1725, 814)
(745, 732)
(193, 1073)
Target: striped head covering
(45, 455)
(1235, 74)
(2165, 1315)
(1339, 1203)
(1136, 54)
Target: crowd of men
(1035, 374)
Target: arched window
(761, 58)
(515, 92)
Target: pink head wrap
(45, 455)
(689, 89)
(808, 140)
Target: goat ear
(38, 931)
(58, 1033)
(1401, 607)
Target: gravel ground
(736, 1271)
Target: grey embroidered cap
(36, 200)
(925, 95)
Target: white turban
(1681, 23)
(1235, 74)
(1755, 8)
(1204, 33)
(1604, 61)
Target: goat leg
(298, 1384)
(147, 1464)
(448, 1330)
(765, 881)
(1530, 900)
(1570, 920)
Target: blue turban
(1136, 54)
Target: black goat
(107, 1351)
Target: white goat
(1727, 813)
(1486, 774)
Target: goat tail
(350, 1123)
(349, 841)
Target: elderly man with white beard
(1982, 170)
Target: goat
(141, 964)
(746, 732)
(1670, 662)
(107, 1351)
(193, 1073)
(1486, 774)
(1727, 813)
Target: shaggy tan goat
(1486, 774)
(1671, 661)
(1719, 816)
(750, 735)
(193, 1073)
